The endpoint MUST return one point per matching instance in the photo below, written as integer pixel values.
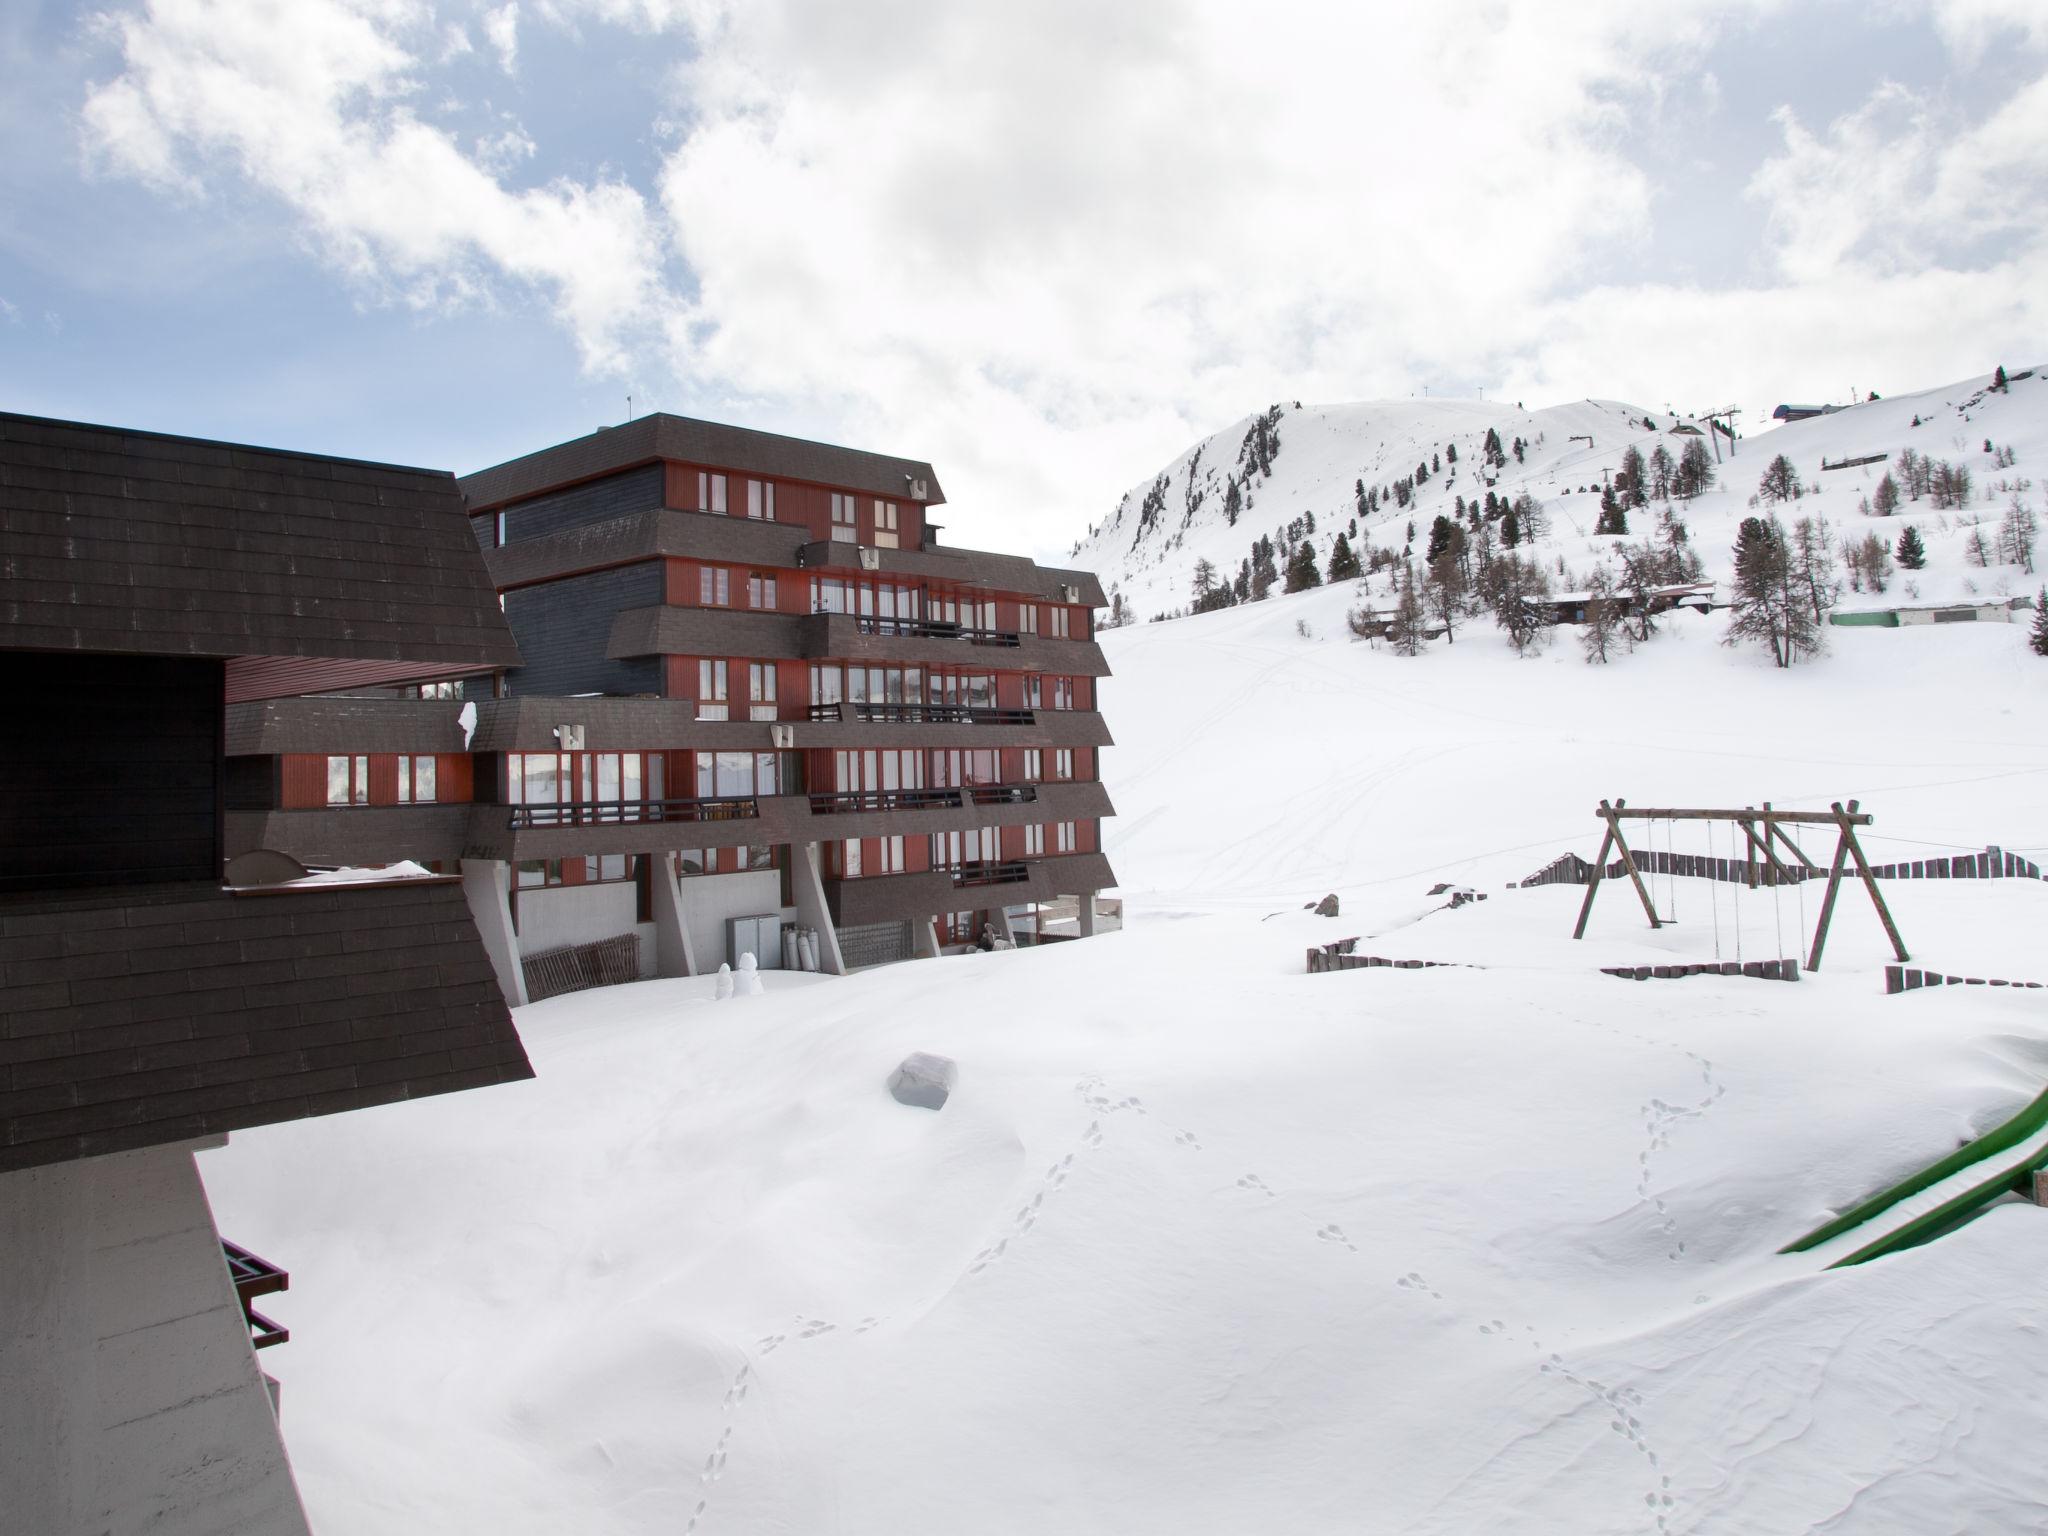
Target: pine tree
(1695, 473)
(1301, 569)
(1769, 606)
(1998, 380)
(1911, 552)
(1780, 481)
(2038, 639)
(1661, 468)
(1612, 518)
(1440, 533)
(1343, 563)
(1628, 481)
(1490, 452)
(1886, 500)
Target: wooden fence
(581, 966)
(1994, 863)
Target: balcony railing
(990, 872)
(613, 813)
(1001, 794)
(255, 1277)
(949, 799)
(931, 629)
(885, 800)
(920, 714)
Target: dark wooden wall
(111, 769)
(634, 490)
(564, 626)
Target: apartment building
(758, 698)
(155, 997)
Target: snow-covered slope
(1291, 463)
(1205, 1244)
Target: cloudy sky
(1044, 244)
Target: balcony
(953, 799)
(989, 872)
(917, 714)
(255, 1277)
(613, 813)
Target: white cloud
(312, 104)
(501, 26)
(10, 313)
(1971, 28)
(1048, 245)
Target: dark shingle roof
(648, 438)
(146, 1016)
(136, 542)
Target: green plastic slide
(1921, 1207)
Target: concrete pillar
(1084, 914)
(808, 885)
(1000, 917)
(487, 883)
(132, 1398)
(673, 953)
(924, 938)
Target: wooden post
(1628, 860)
(1772, 828)
(1884, 914)
(1827, 902)
(1593, 885)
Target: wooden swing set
(1762, 830)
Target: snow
(1326, 450)
(1201, 1243)
(404, 869)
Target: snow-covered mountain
(1297, 472)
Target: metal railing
(613, 813)
(253, 1277)
(954, 798)
(885, 800)
(920, 714)
(929, 629)
(990, 872)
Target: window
(885, 525)
(892, 856)
(1060, 617)
(348, 781)
(1034, 840)
(1063, 693)
(441, 690)
(736, 775)
(844, 516)
(761, 591)
(696, 861)
(1034, 764)
(761, 499)
(711, 690)
(1027, 618)
(761, 690)
(589, 869)
(849, 859)
(415, 780)
(1063, 763)
(1065, 840)
(580, 778)
(710, 492)
(713, 586)
(952, 849)
(760, 856)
